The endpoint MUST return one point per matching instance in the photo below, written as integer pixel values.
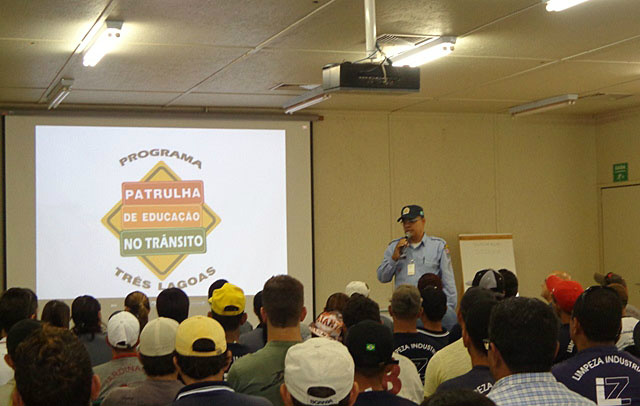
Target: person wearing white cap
(319, 371)
(123, 330)
(157, 344)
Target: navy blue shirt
(567, 349)
(479, 379)
(215, 393)
(419, 347)
(602, 373)
(381, 398)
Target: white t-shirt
(626, 335)
(6, 373)
(403, 380)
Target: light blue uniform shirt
(430, 256)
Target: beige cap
(123, 329)
(200, 328)
(158, 337)
(357, 287)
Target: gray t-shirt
(96, 345)
(149, 392)
(123, 370)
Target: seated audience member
(449, 319)
(610, 278)
(56, 313)
(406, 307)
(261, 373)
(371, 346)
(523, 340)
(137, 303)
(15, 304)
(87, 320)
(156, 350)
(363, 289)
(474, 334)
(318, 372)
(173, 303)
(17, 334)
(564, 295)
(256, 338)
(336, 302)
(600, 371)
(454, 360)
(329, 325)
(550, 281)
(510, 283)
(625, 342)
(244, 327)
(123, 331)
(201, 358)
(227, 308)
(402, 379)
(458, 397)
(53, 368)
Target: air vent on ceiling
(300, 87)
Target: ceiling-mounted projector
(370, 77)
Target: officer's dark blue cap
(410, 212)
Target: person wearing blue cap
(416, 254)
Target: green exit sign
(621, 172)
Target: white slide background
(79, 178)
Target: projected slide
(123, 208)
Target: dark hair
(510, 282)
(137, 303)
(429, 279)
(359, 308)
(525, 331)
(257, 305)
(343, 402)
(457, 397)
(85, 314)
(56, 313)
(477, 323)
(16, 304)
(599, 312)
(283, 300)
(216, 285)
(52, 367)
(158, 366)
(434, 303)
(174, 304)
(473, 295)
(201, 367)
(336, 301)
(228, 323)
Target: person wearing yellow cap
(227, 308)
(201, 358)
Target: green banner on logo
(163, 241)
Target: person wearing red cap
(550, 281)
(563, 296)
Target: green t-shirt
(261, 373)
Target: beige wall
(473, 173)
(617, 141)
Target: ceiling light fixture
(539, 106)
(305, 100)
(59, 92)
(424, 52)
(104, 43)
(559, 5)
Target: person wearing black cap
(371, 346)
(415, 254)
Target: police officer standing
(415, 254)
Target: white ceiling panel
(78, 96)
(232, 100)
(31, 63)
(461, 106)
(19, 94)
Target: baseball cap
(410, 212)
(370, 344)
(198, 328)
(405, 301)
(357, 287)
(488, 279)
(328, 325)
(552, 281)
(158, 337)
(318, 371)
(123, 330)
(609, 278)
(429, 279)
(228, 300)
(565, 294)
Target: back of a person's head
(227, 306)
(19, 332)
(359, 308)
(405, 302)
(173, 303)
(457, 397)
(201, 348)
(336, 302)
(52, 367)
(599, 312)
(217, 284)
(622, 292)
(85, 312)
(257, 304)
(429, 279)
(525, 331)
(137, 303)
(56, 313)
(510, 282)
(283, 301)
(477, 323)
(16, 304)
(434, 303)
(473, 295)
(157, 346)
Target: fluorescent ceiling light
(425, 52)
(305, 100)
(539, 106)
(104, 43)
(59, 92)
(559, 5)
